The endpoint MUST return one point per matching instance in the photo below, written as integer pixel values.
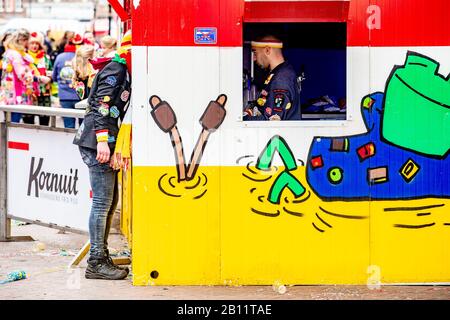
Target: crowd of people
(37, 70)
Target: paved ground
(48, 278)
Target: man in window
(279, 98)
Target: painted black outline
(420, 94)
(310, 156)
(327, 224)
(302, 200)
(201, 195)
(206, 179)
(207, 133)
(373, 182)
(408, 180)
(163, 191)
(172, 185)
(284, 186)
(272, 215)
(343, 215)
(339, 138)
(286, 200)
(259, 198)
(370, 198)
(414, 208)
(417, 64)
(248, 168)
(320, 230)
(256, 180)
(369, 130)
(294, 213)
(243, 157)
(301, 162)
(446, 223)
(278, 151)
(409, 226)
(335, 182)
(436, 73)
(252, 189)
(155, 107)
(170, 132)
(195, 185)
(421, 214)
(177, 164)
(310, 159)
(215, 102)
(374, 151)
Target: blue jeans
(69, 104)
(104, 201)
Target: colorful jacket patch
(111, 80)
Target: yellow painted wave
(220, 229)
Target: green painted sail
(417, 106)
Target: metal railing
(52, 112)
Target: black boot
(101, 268)
(110, 260)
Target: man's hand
(116, 161)
(103, 152)
(275, 117)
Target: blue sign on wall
(205, 35)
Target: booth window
(317, 53)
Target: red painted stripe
(172, 23)
(402, 23)
(90, 194)
(123, 15)
(304, 11)
(18, 145)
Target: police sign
(205, 35)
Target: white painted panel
(384, 59)
(139, 98)
(188, 77)
(32, 192)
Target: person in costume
(19, 75)
(63, 74)
(96, 138)
(84, 73)
(279, 99)
(42, 64)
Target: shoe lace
(108, 265)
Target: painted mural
(184, 183)
(362, 201)
(382, 194)
(398, 158)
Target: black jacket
(279, 96)
(107, 103)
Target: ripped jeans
(103, 181)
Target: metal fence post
(53, 121)
(5, 223)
